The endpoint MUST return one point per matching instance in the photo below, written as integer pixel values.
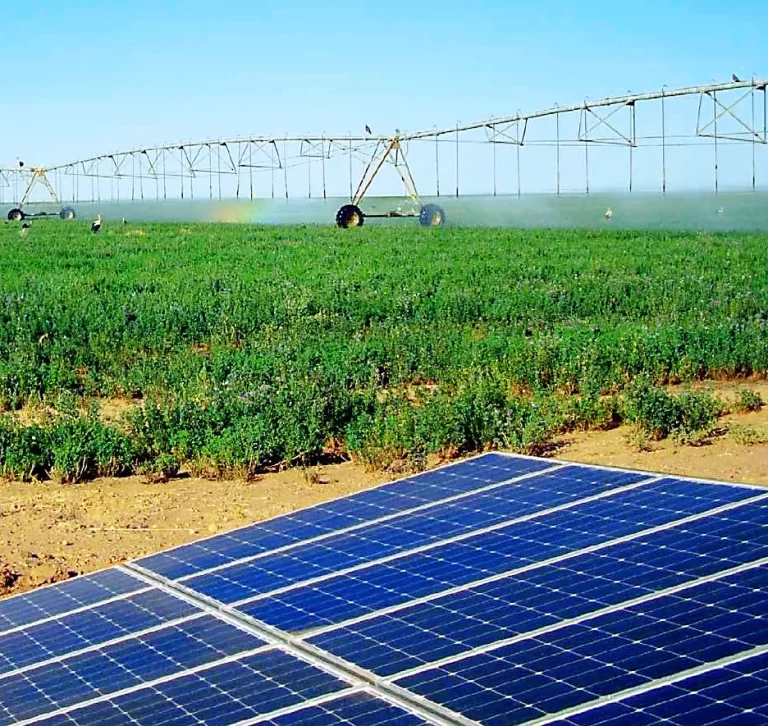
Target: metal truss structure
(726, 115)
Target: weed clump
(689, 417)
(747, 400)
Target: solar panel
(502, 589)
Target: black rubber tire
(431, 215)
(67, 214)
(350, 215)
(15, 215)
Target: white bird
(96, 226)
(125, 221)
(720, 210)
(609, 213)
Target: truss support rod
(494, 167)
(322, 157)
(714, 121)
(517, 162)
(368, 176)
(285, 167)
(351, 193)
(557, 153)
(663, 147)
(408, 180)
(457, 161)
(752, 102)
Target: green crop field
(245, 347)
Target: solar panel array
(502, 590)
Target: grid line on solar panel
(362, 707)
(227, 691)
(245, 579)
(105, 624)
(98, 646)
(739, 682)
(75, 611)
(73, 595)
(578, 664)
(330, 516)
(89, 683)
(353, 648)
(442, 503)
(378, 589)
(307, 653)
(445, 623)
(628, 470)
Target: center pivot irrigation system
(647, 138)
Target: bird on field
(125, 221)
(368, 130)
(720, 210)
(735, 78)
(609, 213)
(25, 229)
(96, 226)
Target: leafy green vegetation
(747, 400)
(747, 435)
(246, 346)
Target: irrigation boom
(727, 113)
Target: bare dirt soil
(50, 532)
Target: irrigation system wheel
(67, 214)
(15, 215)
(349, 215)
(431, 215)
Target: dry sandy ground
(50, 532)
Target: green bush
(747, 400)
(68, 448)
(660, 414)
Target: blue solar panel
(734, 695)
(331, 516)
(516, 500)
(579, 663)
(418, 634)
(361, 709)
(82, 676)
(376, 586)
(500, 589)
(86, 628)
(223, 694)
(67, 596)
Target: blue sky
(85, 77)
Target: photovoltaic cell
(128, 664)
(406, 532)
(66, 596)
(361, 709)
(422, 633)
(331, 516)
(609, 654)
(224, 694)
(734, 695)
(86, 628)
(377, 586)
